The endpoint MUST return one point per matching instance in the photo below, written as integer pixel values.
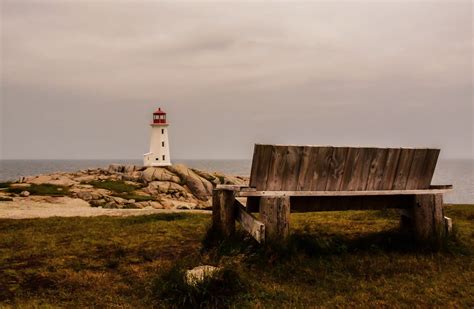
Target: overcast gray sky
(80, 79)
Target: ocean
(459, 173)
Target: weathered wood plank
(223, 212)
(415, 175)
(320, 175)
(403, 168)
(390, 171)
(277, 164)
(429, 168)
(309, 158)
(367, 157)
(249, 223)
(428, 219)
(336, 168)
(291, 168)
(377, 167)
(352, 169)
(275, 215)
(255, 163)
(263, 167)
(346, 193)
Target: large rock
(200, 187)
(54, 179)
(129, 169)
(116, 168)
(166, 187)
(159, 174)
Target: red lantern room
(159, 117)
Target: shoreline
(119, 190)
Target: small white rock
(197, 274)
(25, 193)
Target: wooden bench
(324, 178)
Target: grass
(4, 185)
(117, 186)
(136, 197)
(121, 189)
(351, 258)
(41, 189)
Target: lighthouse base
(152, 159)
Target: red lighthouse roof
(159, 117)
(159, 112)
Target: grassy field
(351, 258)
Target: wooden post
(223, 212)
(428, 219)
(275, 214)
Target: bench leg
(275, 214)
(223, 212)
(427, 218)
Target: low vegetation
(117, 186)
(41, 189)
(351, 258)
(4, 185)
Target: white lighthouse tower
(159, 154)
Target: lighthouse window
(162, 131)
(162, 144)
(163, 157)
(156, 159)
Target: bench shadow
(316, 244)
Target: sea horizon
(458, 172)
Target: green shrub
(117, 186)
(5, 184)
(41, 189)
(136, 197)
(218, 291)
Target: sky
(80, 79)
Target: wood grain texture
(277, 164)
(352, 169)
(249, 223)
(336, 165)
(429, 167)
(403, 169)
(428, 219)
(377, 168)
(390, 171)
(320, 175)
(326, 168)
(415, 180)
(264, 158)
(275, 215)
(308, 163)
(223, 212)
(442, 189)
(367, 157)
(255, 163)
(291, 169)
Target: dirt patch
(35, 207)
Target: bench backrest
(326, 168)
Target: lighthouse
(159, 154)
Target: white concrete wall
(159, 147)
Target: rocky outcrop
(160, 174)
(200, 187)
(130, 186)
